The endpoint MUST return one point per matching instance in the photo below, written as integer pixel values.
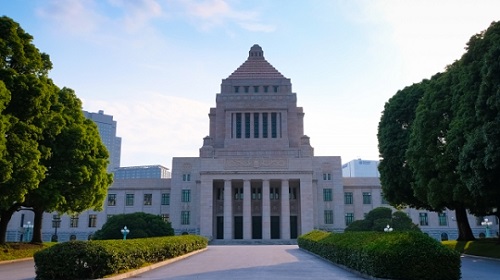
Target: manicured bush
(397, 255)
(98, 258)
(141, 225)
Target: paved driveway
(274, 262)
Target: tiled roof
(256, 67)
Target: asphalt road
(255, 262)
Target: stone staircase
(253, 242)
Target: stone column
(228, 210)
(206, 208)
(306, 205)
(285, 210)
(247, 214)
(266, 211)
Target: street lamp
(56, 222)
(27, 230)
(125, 231)
(487, 224)
(388, 229)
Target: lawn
(486, 247)
(13, 251)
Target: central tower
(256, 114)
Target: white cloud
(137, 14)
(154, 128)
(210, 14)
(432, 34)
(72, 16)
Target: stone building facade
(256, 177)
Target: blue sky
(156, 66)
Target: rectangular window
(246, 88)
(367, 198)
(255, 88)
(348, 198)
(327, 176)
(92, 220)
(274, 125)
(256, 193)
(275, 88)
(327, 194)
(165, 217)
(165, 199)
(186, 177)
(186, 196)
(184, 217)
(111, 199)
(443, 221)
(129, 199)
(148, 199)
(256, 125)
(238, 125)
(73, 221)
(274, 193)
(238, 193)
(328, 217)
(264, 125)
(349, 218)
(247, 125)
(424, 221)
(236, 89)
(266, 88)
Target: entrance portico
(245, 207)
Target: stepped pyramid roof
(256, 67)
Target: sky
(157, 65)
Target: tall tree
(393, 137)
(480, 156)
(23, 70)
(433, 161)
(76, 177)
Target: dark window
(247, 125)
(256, 125)
(238, 125)
(264, 125)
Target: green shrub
(98, 258)
(397, 255)
(141, 225)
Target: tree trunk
(37, 227)
(464, 230)
(5, 217)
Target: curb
(15, 261)
(151, 267)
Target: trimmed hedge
(98, 258)
(395, 255)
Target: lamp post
(56, 222)
(487, 224)
(125, 231)
(388, 229)
(27, 230)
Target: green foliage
(378, 218)
(440, 139)
(397, 255)
(393, 137)
(141, 225)
(96, 259)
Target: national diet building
(256, 176)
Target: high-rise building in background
(360, 168)
(107, 130)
